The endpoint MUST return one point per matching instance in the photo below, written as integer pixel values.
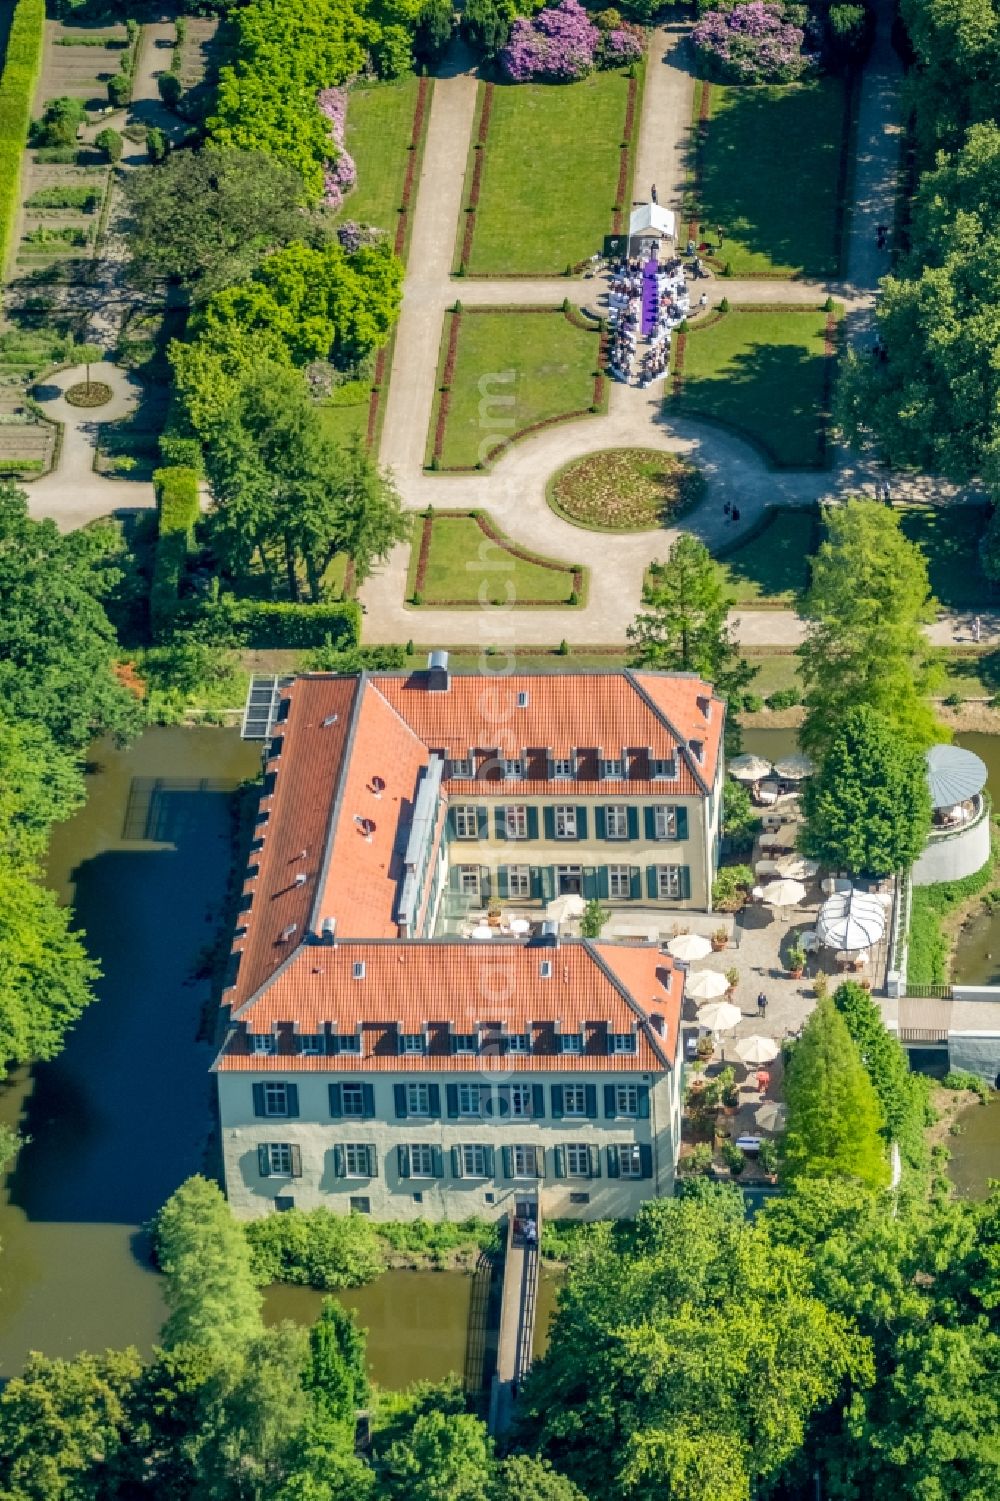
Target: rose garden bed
(625, 490)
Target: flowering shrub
(622, 44)
(341, 174)
(559, 44)
(751, 43)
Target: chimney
(328, 931)
(438, 676)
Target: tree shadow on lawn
(750, 191)
(774, 394)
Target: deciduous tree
(203, 1253)
(446, 1457)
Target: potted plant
(732, 978)
(705, 1047)
(796, 959)
(733, 1157)
(493, 911)
(729, 1090)
(698, 1160)
(720, 939)
(768, 1160)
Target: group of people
(670, 306)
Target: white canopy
(706, 985)
(953, 775)
(850, 920)
(650, 219)
(720, 1016)
(689, 946)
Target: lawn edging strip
(416, 582)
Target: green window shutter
(685, 882)
(403, 1161)
(399, 1095)
(532, 823)
(651, 882)
(258, 1099)
(452, 823)
(485, 883)
(548, 873)
(610, 1102)
(437, 1162)
(595, 1161)
(682, 822)
(649, 817)
(536, 883)
(557, 1102)
(635, 883)
(295, 1153)
(455, 878)
(633, 822)
(642, 1101)
(335, 1108)
(292, 1101)
(600, 823)
(612, 1162)
(264, 1160)
(451, 1092)
(538, 1102)
(603, 886)
(490, 1157)
(339, 1162)
(434, 1100)
(500, 823)
(549, 822)
(456, 1162)
(367, 1102)
(645, 1160)
(589, 882)
(502, 882)
(590, 1094)
(483, 821)
(372, 1163)
(503, 1100)
(507, 1158)
(581, 821)
(539, 1162)
(559, 1162)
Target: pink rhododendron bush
(559, 44)
(340, 174)
(751, 44)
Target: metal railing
(929, 992)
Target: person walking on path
(652, 193)
(977, 629)
(762, 1004)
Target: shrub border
(417, 571)
(446, 366)
(617, 531)
(832, 338)
(22, 66)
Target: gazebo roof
(650, 218)
(953, 775)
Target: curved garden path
(514, 490)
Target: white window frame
(418, 1099)
(577, 1153)
(263, 1042)
(466, 821)
(629, 1160)
(612, 769)
(348, 1042)
(274, 1092)
(279, 1159)
(564, 821)
(515, 820)
(627, 1101)
(519, 882)
(414, 1042)
(465, 1042)
(463, 768)
(623, 1042)
(665, 821)
(421, 1159)
(311, 1043)
(350, 1086)
(574, 1095)
(524, 1160)
(616, 821)
(519, 1042)
(563, 768)
(668, 882)
(513, 768)
(470, 1101)
(360, 1153)
(619, 875)
(664, 769)
(520, 1102)
(473, 1160)
(470, 882)
(571, 1042)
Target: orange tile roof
(594, 987)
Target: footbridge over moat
(517, 1312)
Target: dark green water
(975, 1155)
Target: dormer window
(612, 770)
(349, 1042)
(664, 769)
(564, 767)
(464, 1042)
(312, 1042)
(623, 1042)
(513, 768)
(413, 1042)
(571, 1042)
(697, 749)
(519, 1042)
(263, 1042)
(464, 769)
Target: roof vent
(300, 879)
(287, 933)
(328, 930)
(359, 969)
(366, 826)
(438, 676)
(377, 786)
(523, 699)
(329, 720)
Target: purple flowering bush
(340, 174)
(751, 43)
(558, 44)
(622, 44)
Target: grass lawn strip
(949, 538)
(379, 123)
(625, 490)
(769, 171)
(461, 559)
(766, 374)
(550, 174)
(504, 372)
(769, 565)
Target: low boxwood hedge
(21, 68)
(177, 512)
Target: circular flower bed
(96, 394)
(626, 489)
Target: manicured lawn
(346, 416)
(512, 370)
(949, 537)
(379, 123)
(776, 672)
(625, 489)
(464, 566)
(769, 169)
(773, 563)
(763, 373)
(550, 174)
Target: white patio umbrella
(689, 946)
(784, 893)
(561, 908)
(771, 1115)
(796, 867)
(756, 1049)
(520, 925)
(719, 1016)
(706, 985)
(794, 768)
(481, 931)
(749, 768)
(850, 920)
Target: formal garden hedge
(268, 625)
(21, 68)
(177, 511)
